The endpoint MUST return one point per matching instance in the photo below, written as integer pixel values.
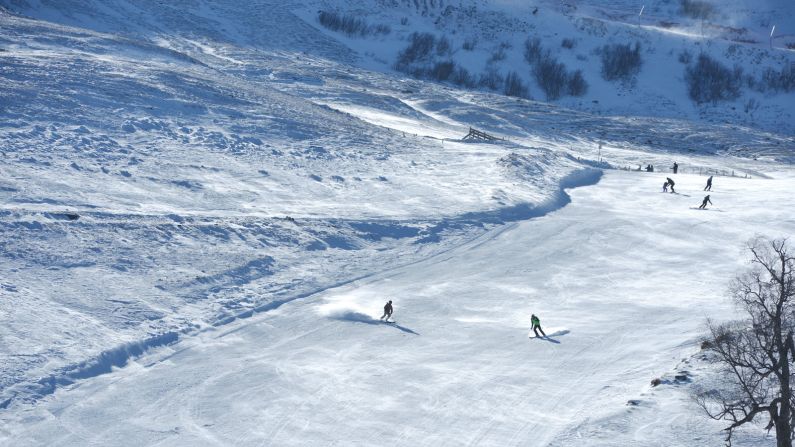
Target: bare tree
(756, 354)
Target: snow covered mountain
(204, 204)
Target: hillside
(204, 204)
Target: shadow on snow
(358, 317)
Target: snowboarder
(671, 184)
(387, 311)
(665, 187)
(537, 325)
(704, 203)
(709, 184)
(676, 167)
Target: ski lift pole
(640, 14)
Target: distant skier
(671, 184)
(709, 184)
(665, 187)
(537, 325)
(704, 203)
(676, 168)
(387, 311)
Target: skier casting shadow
(704, 203)
(537, 326)
(671, 184)
(387, 311)
(709, 184)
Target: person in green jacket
(537, 325)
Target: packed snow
(205, 206)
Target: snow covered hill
(173, 172)
(484, 42)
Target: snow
(203, 210)
(625, 283)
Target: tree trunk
(783, 421)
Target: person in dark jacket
(704, 203)
(387, 311)
(665, 187)
(537, 326)
(671, 184)
(709, 184)
(676, 168)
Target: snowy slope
(146, 194)
(175, 171)
(624, 285)
(737, 33)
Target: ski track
(292, 376)
(154, 291)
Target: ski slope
(204, 205)
(625, 274)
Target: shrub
(533, 50)
(620, 62)
(350, 25)
(567, 43)
(404, 21)
(491, 79)
(685, 57)
(470, 44)
(783, 80)
(514, 86)
(441, 71)
(463, 78)
(696, 9)
(710, 81)
(576, 84)
(419, 49)
(382, 29)
(498, 55)
(443, 46)
(550, 76)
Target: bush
(567, 43)
(498, 55)
(685, 57)
(441, 71)
(443, 46)
(533, 51)
(576, 84)
(382, 29)
(463, 78)
(696, 9)
(350, 25)
(710, 81)
(551, 77)
(514, 86)
(783, 80)
(491, 79)
(470, 44)
(620, 62)
(419, 49)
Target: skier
(704, 203)
(671, 184)
(676, 167)
(665, 187)
(537, 325)
(387, 311)
(709, 184)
